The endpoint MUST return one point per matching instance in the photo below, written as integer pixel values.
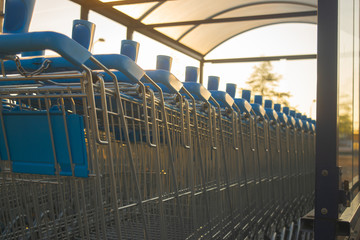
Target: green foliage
(345, 117)
(264, 82)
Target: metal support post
(129, 33)
(201, 72)
(327, 173)
(84, 13)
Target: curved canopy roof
(196, 27)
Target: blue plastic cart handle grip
(291, 120)
(130, 48)
(258, 109)
(231, 89)
(33, 54)
(277, 107)
(271, 113)
(83, 32)
(213, 83)
(121, 63)
(112, 61)
(223, 98)
(166, 78)
(197, 90)
(243, 105)
(268, 104)
(163, 62)
(258, 99)
(299, 123)
(18, 15)
(286, 110)
(11, 44)
(246, 94)
(191, 74)
(292, 113)
(282, 117)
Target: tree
(264, 82)
(345, 126)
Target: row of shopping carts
(94, 147)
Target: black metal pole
(327, 173)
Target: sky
(298, 77)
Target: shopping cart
(76, 192)
(93, 147)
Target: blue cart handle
(12, 44)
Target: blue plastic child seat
(30, 145)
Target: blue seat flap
(30, 146)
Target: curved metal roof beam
(266, 25)
(148, 12)
(243, 6)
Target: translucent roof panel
(175, 32)
(187, 10)
(294, 39)
(135, 10)
(204, 40)
(198, 26)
